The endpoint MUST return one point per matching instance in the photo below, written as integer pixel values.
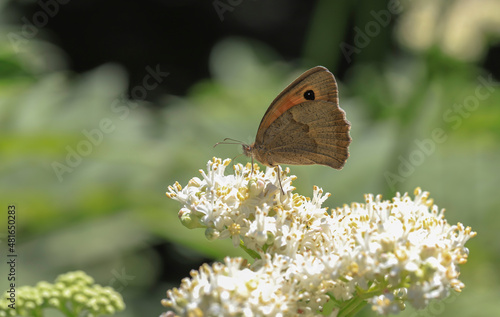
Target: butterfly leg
(251, 173)
(279, 180)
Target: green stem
(250, 252)
(351, 307)
(66, 310)
(355, 304)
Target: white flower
(386, 252)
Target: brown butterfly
(304, 125)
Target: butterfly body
(304, 125)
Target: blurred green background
(89, 143)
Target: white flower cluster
(309, 262)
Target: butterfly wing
(318, 79)
(304, 125)
(314, 132)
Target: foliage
(73, 294)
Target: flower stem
(250, 252)
(352, 307)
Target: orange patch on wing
(279, 109)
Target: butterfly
(304, 125)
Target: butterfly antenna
(225, 141)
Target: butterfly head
(247, 149)
(254, 151)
